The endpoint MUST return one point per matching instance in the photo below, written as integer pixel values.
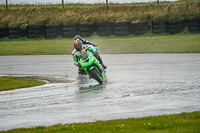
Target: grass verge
(176, 123)
(9, 83)
(149, 43)
(18, 15)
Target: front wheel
(96, 75)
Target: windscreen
(84, 55)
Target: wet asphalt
(137, 85)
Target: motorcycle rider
(80, 46)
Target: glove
(79, 65)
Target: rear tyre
(96, 75)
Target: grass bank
(9, 83)
(149, 43)
(176, 123)
(18, 15)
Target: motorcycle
(92, 67)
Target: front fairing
(88, 61)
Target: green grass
(9, 83)
(19, 15)
(176, 123)
(149, 43)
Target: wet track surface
(137, 85)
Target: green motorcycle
(92, 67)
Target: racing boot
(101, 62)
(104, 66)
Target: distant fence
(48, 2)
(102, 29)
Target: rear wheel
(96, 75)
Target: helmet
(78, 44)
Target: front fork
(86, 70)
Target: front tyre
(96, 75)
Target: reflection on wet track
(137, 85)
